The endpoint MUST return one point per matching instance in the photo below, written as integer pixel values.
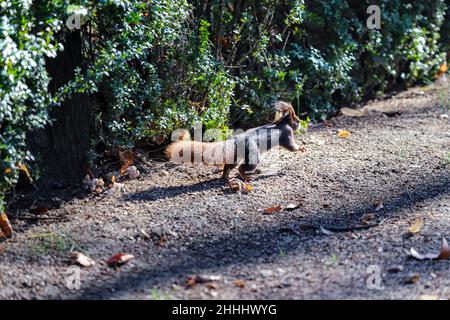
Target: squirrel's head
(285, 112)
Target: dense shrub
(154, 65)
(320, 54)
(27, 37)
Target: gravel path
(192, 238)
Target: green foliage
(154, 72)
(26, 40)
(320, 54)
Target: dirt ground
(192, 238)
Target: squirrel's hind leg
(226, 170)
(246, 167)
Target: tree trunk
(61, 147)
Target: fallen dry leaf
(24, 169)
(271, 210)
(191, 282)
(81, 259)
(411, 278)
(162, 241)
(365, 219)
(5, 227)
(119, 259)
(2, 248)
(416, 227)
(239, 283)
(239, 186)
(444, 252)
(211, 286)
(343, 134)
(442, 69)
(127, 159)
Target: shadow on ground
(258, 243)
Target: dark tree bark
(61, 148)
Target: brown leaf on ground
(127, 159)
(239, 283)
(365, 219)
(445, 250)
(191, 282)
(5, 227)
(302, 149)
(239, 186)
(444, 253)
(411, 278)
(81, 259)
(344, 134)
(161, 241)
(119, 259)
(24, 169)
(211, 286)
(442, 69)
(2, 248)
(271, 210)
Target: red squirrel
(243, 150)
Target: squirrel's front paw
(298, 148)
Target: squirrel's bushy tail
(189, 151)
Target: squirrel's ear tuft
(278, 115)
(284, 107)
